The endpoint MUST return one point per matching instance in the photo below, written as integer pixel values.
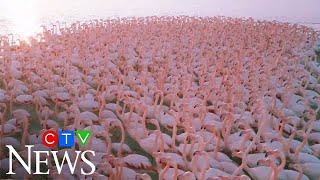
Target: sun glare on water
(22, 16)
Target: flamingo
(308, 169)
(137, 161)
(213, 88)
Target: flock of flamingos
(168, 97)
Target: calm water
(25, 19)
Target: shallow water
(25, 19)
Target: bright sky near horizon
(25, 17)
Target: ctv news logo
(50, 138)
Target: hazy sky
(258, 8)
(25, 16)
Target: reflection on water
(21, 18)
(25, 19)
